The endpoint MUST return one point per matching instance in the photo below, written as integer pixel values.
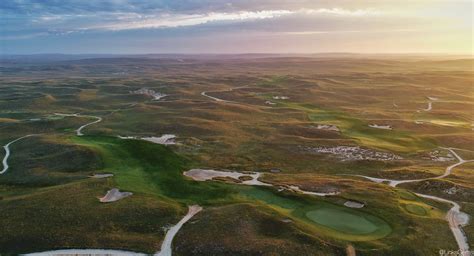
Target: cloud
(178, 20)
(345, 12)
(138, 21)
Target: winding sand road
(454, 216)
(79, 130)
(7, 152)
(221, 100)
(166, 245)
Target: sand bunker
(297, 189)
(353, 204)
(203, 175)
(114, 195)
(280, 97)
(101, 176)
(165, 139)
(150, 93)
(385, 127)
(270, 103)
(327, 127)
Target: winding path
(7, 152)
(221, 100)
(166, 245)
(79, 130)
(214, 98)
(454, 216)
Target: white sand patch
(419, 122)
(114, 195)
(165, 139)
(438, 156)
(280, 97)
(327, 127)
(166, 245)
(432, 98)
(353, 204)
(203, 175)
(385, 127)
(150, 93)
(352, 153)
(84, 252)
(101, 176)
(297, 189)
(270, 103)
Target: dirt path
(7, 152)
(455, 220)
(454, 216)
(221, 100)
(350, 250)
(166, 245)
(447, 172)
(79, 130)
(214, 98)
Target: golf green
(342, 221)
(416, 209)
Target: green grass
(352, 127)
(144, 167)
(416, 209)
(342, 221)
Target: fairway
(342, 221)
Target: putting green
(343, 221)
(416, 209)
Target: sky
(242, 26)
